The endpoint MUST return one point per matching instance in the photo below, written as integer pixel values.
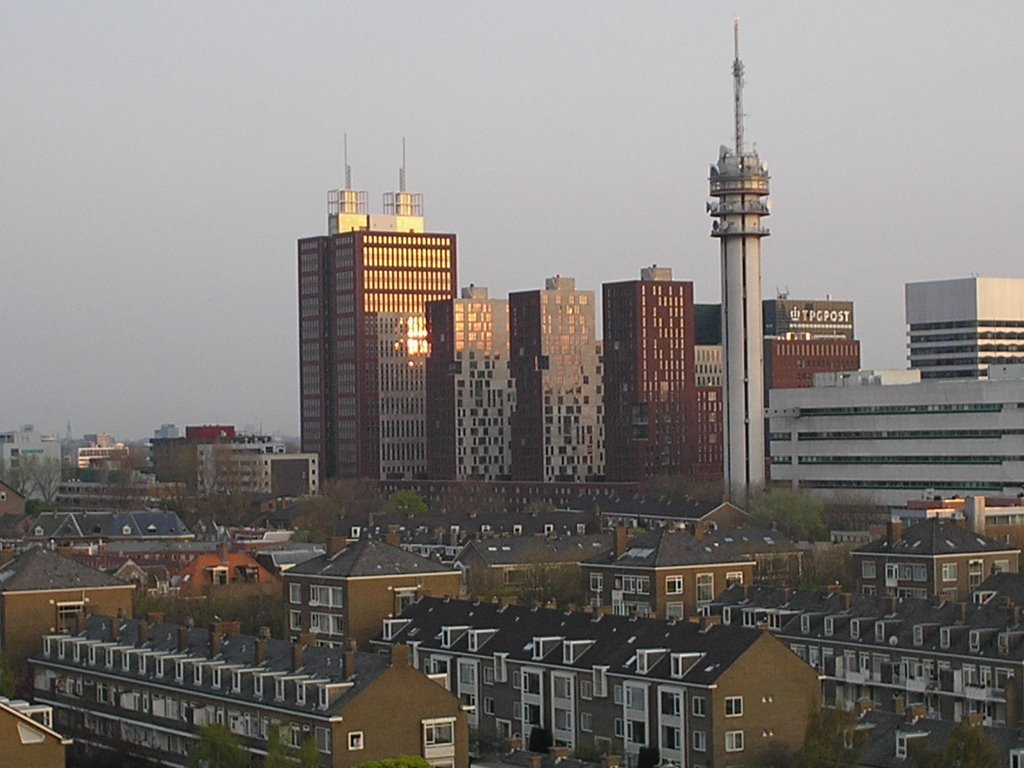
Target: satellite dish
(893, 640)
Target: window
(323, 739)
(974, 572)
(734, 741)
(868, 569)
(733, 706)
(586, 722)
(674, 610)
(531, 682)
(920, 573)
(488, 673)
(673, 585)
(295, 619)
(733, 577)
(295, 593)
(699, 706)
(355, 740)
(596, 582)
(949, 571)
(488, 705)
(586, 689)
(700, 741)
(705, 589)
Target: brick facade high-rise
(649, 387)
(557, 427)
(470, 393)
(363, 292)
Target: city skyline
(162, 161)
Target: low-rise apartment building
(345, 594)
(144, 691)
(702, 695)
(934, 558)
(945, 661)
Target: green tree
(795, 514)
(967, 747)
(831, 740)
(403, 761)
(309, 754)
(407, 503)
(217, 747)
(278, 754)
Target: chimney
(865, 705)
(115, 628)
(974, 510)
(399, 655)
(260, 650)
(222, 551)
(393, 536)
(6, 555)
(560, 753)
(350, 659)
(143, 634)
(216, 638)
(297, 650)
(699, 530)
(336, 544)
(707, 622)
(847, 601)
(182, 639)
(621, 538)
(899, 704)
(611, 761)
(536, 759)
(155, 617)
(893, 531)
(963, 612)
(263, 633)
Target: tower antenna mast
(348, 168)
(401, 171)
(737, 85)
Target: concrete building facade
(884, 437)
(958, 328)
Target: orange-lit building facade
(558, 423)
(363, 293)
(470, 393)
(649, 387)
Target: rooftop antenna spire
(737, 85)
(348, 168)
(401, 171)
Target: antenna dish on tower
(348, 168)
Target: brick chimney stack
(621, 539)
(894, 531)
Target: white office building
(958, 328)
(884, 437)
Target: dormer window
(300, 693)
(944, 637)
(450, 635)
(517, 530)
(975, 641)
(279, 688)
(542, 646)
(126, 530)
(179, 671)
(47, 646)
(38, 530)
(879, 632)
(236, 682)
(918, 634)
(829, 626)
(855, 629)
(805, 623)
(109, 658)
(321, 696)
(92, 654)
(197, 674)
(647, 658)
(258, 685)
(216, 677)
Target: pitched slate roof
(614, 640)
(937, 537)
(667, 547)
(40, 569)
(368, 557)
(520, 550)
(152, 523)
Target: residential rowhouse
(145, 691)
(909, 656)
(702, 694)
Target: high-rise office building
(958, 328)
(557, 426)
(804, 337)
(470, 393)
(363, 294)
(739, 181)
(649, 386)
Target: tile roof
(368, 557)
(41, 569)
(937, 537)
(154, 523)
(667, 547)
(614, 641)
(520, 550)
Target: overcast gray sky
(158, 162)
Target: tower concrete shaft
(739, 182)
